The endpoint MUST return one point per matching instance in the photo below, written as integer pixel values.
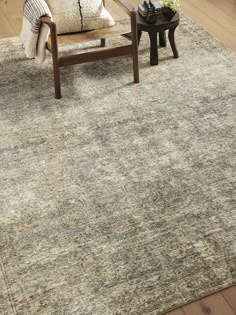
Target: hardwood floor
(218, 18)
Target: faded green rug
(119, 198)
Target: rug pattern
(119, 198)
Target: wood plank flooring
(214, 304)
(218, 17)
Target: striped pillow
(79, 15)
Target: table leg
(139, 36)
(153, 48)
(162, 39)
(172, 42)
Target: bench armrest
(46, 19)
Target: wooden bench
(120, 27)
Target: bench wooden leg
(56, 70)
(103, 42)
(134, 34)
(57, 83)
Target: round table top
(162, 22)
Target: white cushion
(79, 15)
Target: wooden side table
(162, 24)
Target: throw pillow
(79, 15)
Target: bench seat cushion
(79, 15)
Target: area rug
(119, 198)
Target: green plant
(172, 4)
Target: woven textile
(70, 16)
(75, 16)
(120, 198)
(34, 35)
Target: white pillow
(79, 15)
